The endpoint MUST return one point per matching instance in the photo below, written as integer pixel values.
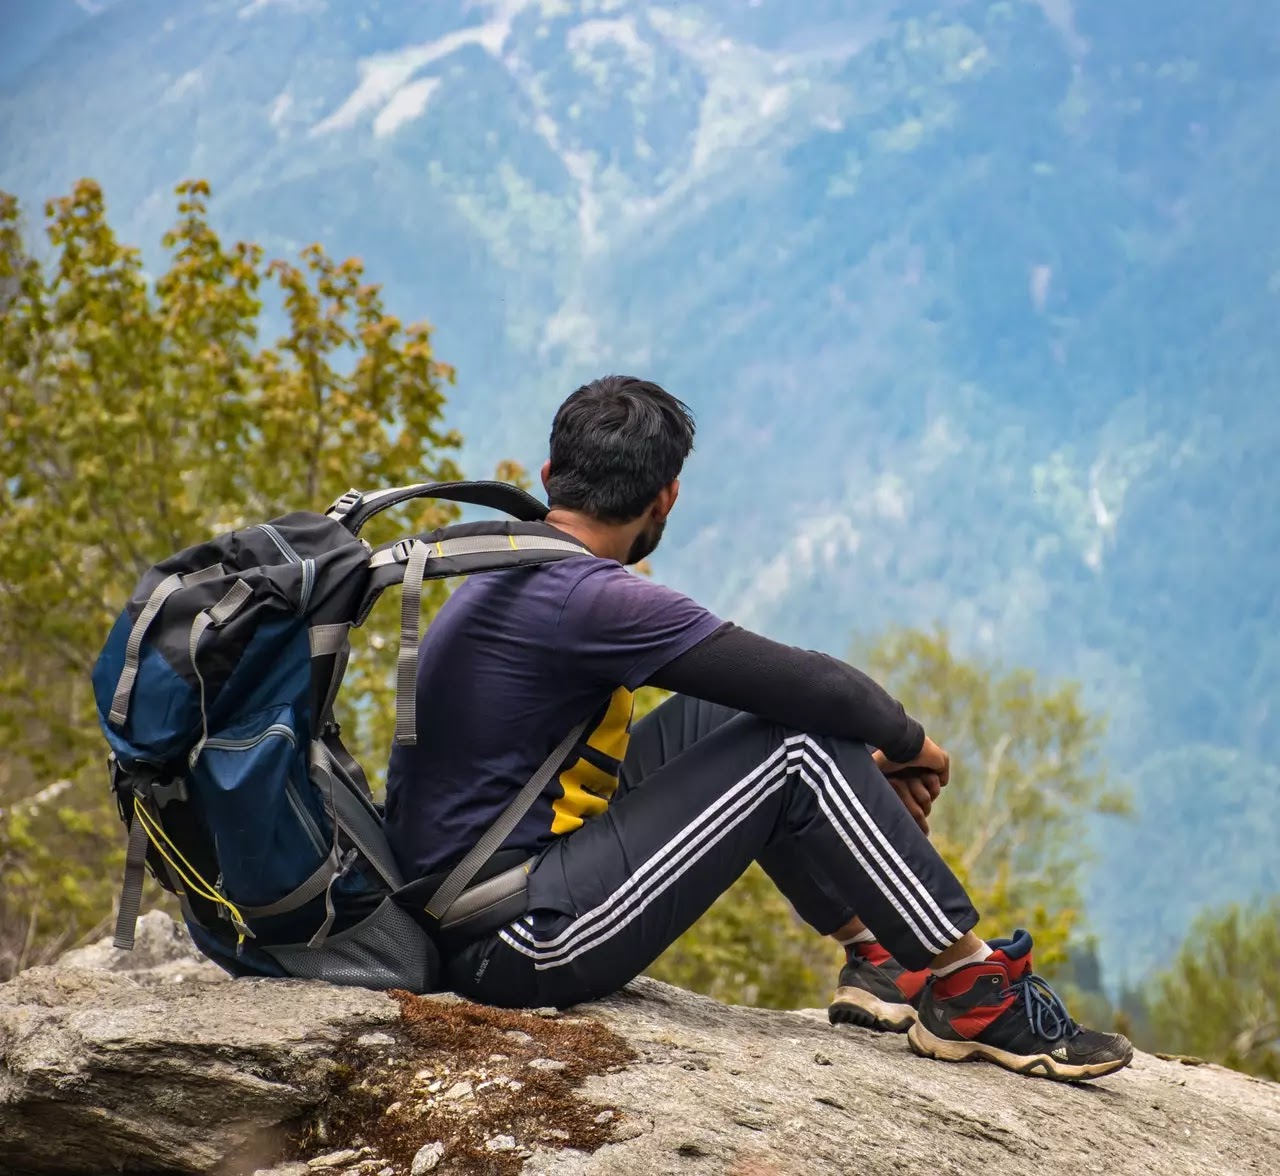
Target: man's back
(514, 660)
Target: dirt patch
(489, 1084)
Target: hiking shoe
(875, 990)
(1000, 1011)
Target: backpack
(215, 691)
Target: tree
(1220, 999)
(138, 417)
(1025, 780)
(1212, 815)
(1012, 823)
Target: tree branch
(991, 826)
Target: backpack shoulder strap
(458, 550)
(460, 876)
(464, 548)
(355, 508)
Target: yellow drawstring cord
(190, 878)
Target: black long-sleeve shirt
(797, 687)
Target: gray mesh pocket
(386, 950)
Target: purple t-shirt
(509, 665)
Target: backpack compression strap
(133, 650)
(355, 508)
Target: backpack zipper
(307, 821)
(308, 582)
(308, 565)
(305, 818)
(285, 732)
(278, 539)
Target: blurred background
(975, 303)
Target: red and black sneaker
(1000, 1011)
(875, 991)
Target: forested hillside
(974, 300)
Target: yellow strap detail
(193, 882)
(439, 549)
(512, 540)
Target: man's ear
(546, 472)
(666, 500)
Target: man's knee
(854, 758)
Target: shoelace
(1045, 1011)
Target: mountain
(974, 301)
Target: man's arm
(797, 687)
(813, 692)
(627, 629)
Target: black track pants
(704, 792)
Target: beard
(646, 543)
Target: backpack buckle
(402, 549)
(144, 783)
(163, 792)
(345, 503)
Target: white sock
(864, 936)
(976, 958)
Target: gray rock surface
(101, 1070)
(755, 1092)
(162, 953)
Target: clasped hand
(919, 781)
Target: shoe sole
(929, 1045)
(857, 1006)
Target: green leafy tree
(1025, 779)
(139, 415)
(1220, 999)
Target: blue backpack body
(215, 691)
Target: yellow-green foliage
(142, 413)
(1221, 998)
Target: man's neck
(606, 540)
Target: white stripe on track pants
(705, 791)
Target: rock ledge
(172, 1067)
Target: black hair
(615, 443)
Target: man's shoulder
(569, 574)
(539, 585)
(608, 593)
(579, 586)
(594, 576)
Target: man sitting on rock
(764, 754)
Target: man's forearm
(797, 687)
